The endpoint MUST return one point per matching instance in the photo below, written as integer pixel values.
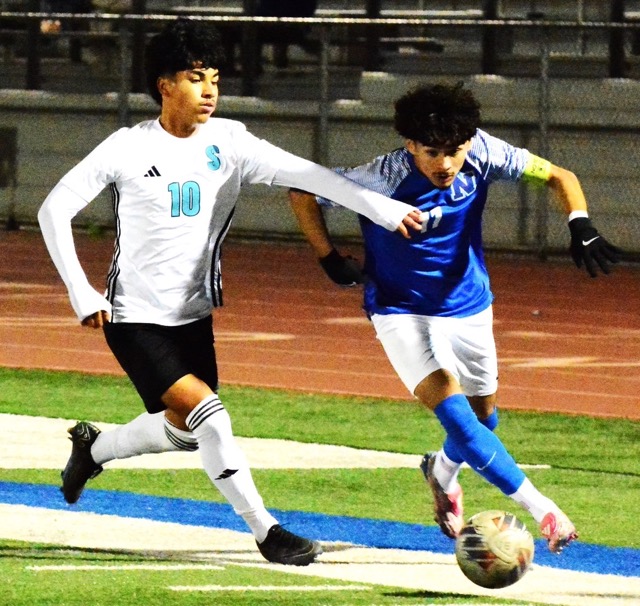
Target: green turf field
(33, 577)
(589, 459)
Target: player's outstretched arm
(588, 246)
(391, 214)
(343, 270)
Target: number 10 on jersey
(185, 198)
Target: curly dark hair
(181, 45)
(438, 115)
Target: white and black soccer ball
(494, 549)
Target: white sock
(446, 471)
(529, 497)
(227, 466)
(144, 434)
(182, 439)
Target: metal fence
(342, 40)
(493, 36)
(125, 34)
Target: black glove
(344, 271)
(588, 246)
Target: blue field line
(360, 531)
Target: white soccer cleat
(558, 529)
(447, 506)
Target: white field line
(244, 588)
(33, 441)
(123, 567)
(416, 570)
(42, 443)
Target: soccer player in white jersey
(175, 182)
(429, 298)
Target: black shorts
(155, 357)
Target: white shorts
(419, 345)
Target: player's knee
(437, 387)
(483, 406)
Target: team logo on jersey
(152, 172)
(463, 186)
(213, 152)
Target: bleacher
(432, 49)
(591, 120)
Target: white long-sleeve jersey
(174, 200)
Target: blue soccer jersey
(441, 271)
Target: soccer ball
(494, 549)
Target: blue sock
(479, 446)
(491, 422)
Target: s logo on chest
(213, 152)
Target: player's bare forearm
(588, 247)
(313, 226)
(311, 221)
(567, 189)
(345, 271)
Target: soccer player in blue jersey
(429, 297)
